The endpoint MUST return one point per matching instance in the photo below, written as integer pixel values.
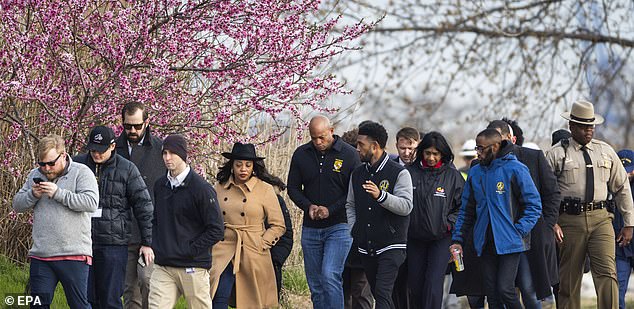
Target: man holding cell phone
(62, 194)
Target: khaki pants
(137, 281)
(588, 233)
(169, 283)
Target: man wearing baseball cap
(625, 254)
(121, 188)
(587, 169)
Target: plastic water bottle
(457, 259)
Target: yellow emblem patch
(384, 185)
(336, 167)
(500, 188)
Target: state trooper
(586, 170)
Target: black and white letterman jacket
(380, 224)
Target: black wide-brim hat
(242, 151)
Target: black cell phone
(141, 260)
(37, 180)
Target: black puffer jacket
(437, 199)
(121, 188)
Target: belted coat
(247, 242)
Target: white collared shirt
(178, 180)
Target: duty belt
(573, 206)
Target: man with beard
(62, 194)
(378, 205)
(501, 205)
(586, 170)
(538, 268)
(137, 144)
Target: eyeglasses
(482, 148)
(51, 163)
(138, 127)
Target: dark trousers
(106, 278)
(44, 276)
(381, 271)
(225, 286)
(278, 278)
(499, 272)
(426, 270)
(356, 289)
(400, 294)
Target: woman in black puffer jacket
(437, 194)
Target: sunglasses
(128, 126)
(50, 163)
(482, 148)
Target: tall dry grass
(15, 230)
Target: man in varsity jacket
(378, 206)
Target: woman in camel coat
(243, 257)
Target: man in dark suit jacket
(539, 271)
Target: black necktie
(589, 175)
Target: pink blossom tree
(199, 65)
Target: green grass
(294, 280)
(13, 280)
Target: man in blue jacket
(501, 204)
(624, 254)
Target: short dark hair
(490, 133)
(131, 107)
(499, 124)
(375, 131)
(437, 140)
(350, 137)
(517, 131)
(408, 133)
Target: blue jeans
(524, 281)
(73, 275)
(225, 285)
(325, 251)
(106, 278)
(623, 269)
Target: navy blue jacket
(502, 194)
(187, 222)
(324, 185)
(617, 223)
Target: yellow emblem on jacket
(384, 185)
(500, 187)
(336, 167)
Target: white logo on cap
(98, 137)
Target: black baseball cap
(100, 138)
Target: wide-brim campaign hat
(582, 112)
(242, 151)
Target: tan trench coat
(246, 243)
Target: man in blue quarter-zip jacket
(501, 204)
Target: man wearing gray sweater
(62, 194)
